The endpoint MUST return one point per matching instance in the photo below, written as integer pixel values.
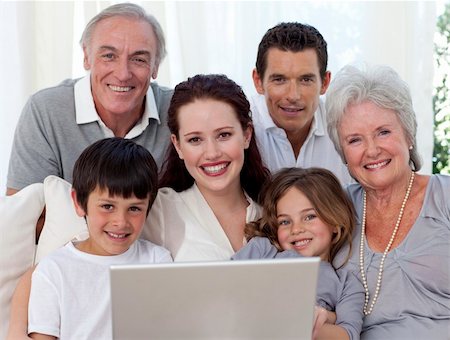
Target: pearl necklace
(367, 309)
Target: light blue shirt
(276, 150)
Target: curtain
(40, 46)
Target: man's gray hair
(380, 85)
(131, 11)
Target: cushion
(62, 224)
(19, 214)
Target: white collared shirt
(277, 152)
(86, 113)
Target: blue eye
(108, 56)
(283, 222)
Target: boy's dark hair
(293, 37)
(118, 165)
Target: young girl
(307, 213)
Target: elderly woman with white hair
(402, 242)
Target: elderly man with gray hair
(123, 47)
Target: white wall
(40, 46)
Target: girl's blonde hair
(324, 192)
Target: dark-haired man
(289, 116)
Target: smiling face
(374, 145)
(121, 57)
(292, 86)
(300, 228)
(211, 142)
(114, 223)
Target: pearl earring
(410, 147)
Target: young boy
(114, 186)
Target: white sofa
(19, 214)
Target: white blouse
(184, 223)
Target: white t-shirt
(276, 150)
(70, 291)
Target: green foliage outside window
(441, 95)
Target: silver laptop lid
(252, 299)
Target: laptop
(250, 299)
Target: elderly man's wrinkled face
(121, 57)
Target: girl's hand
(320, 318)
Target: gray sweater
(339, 291)
(48, 140)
